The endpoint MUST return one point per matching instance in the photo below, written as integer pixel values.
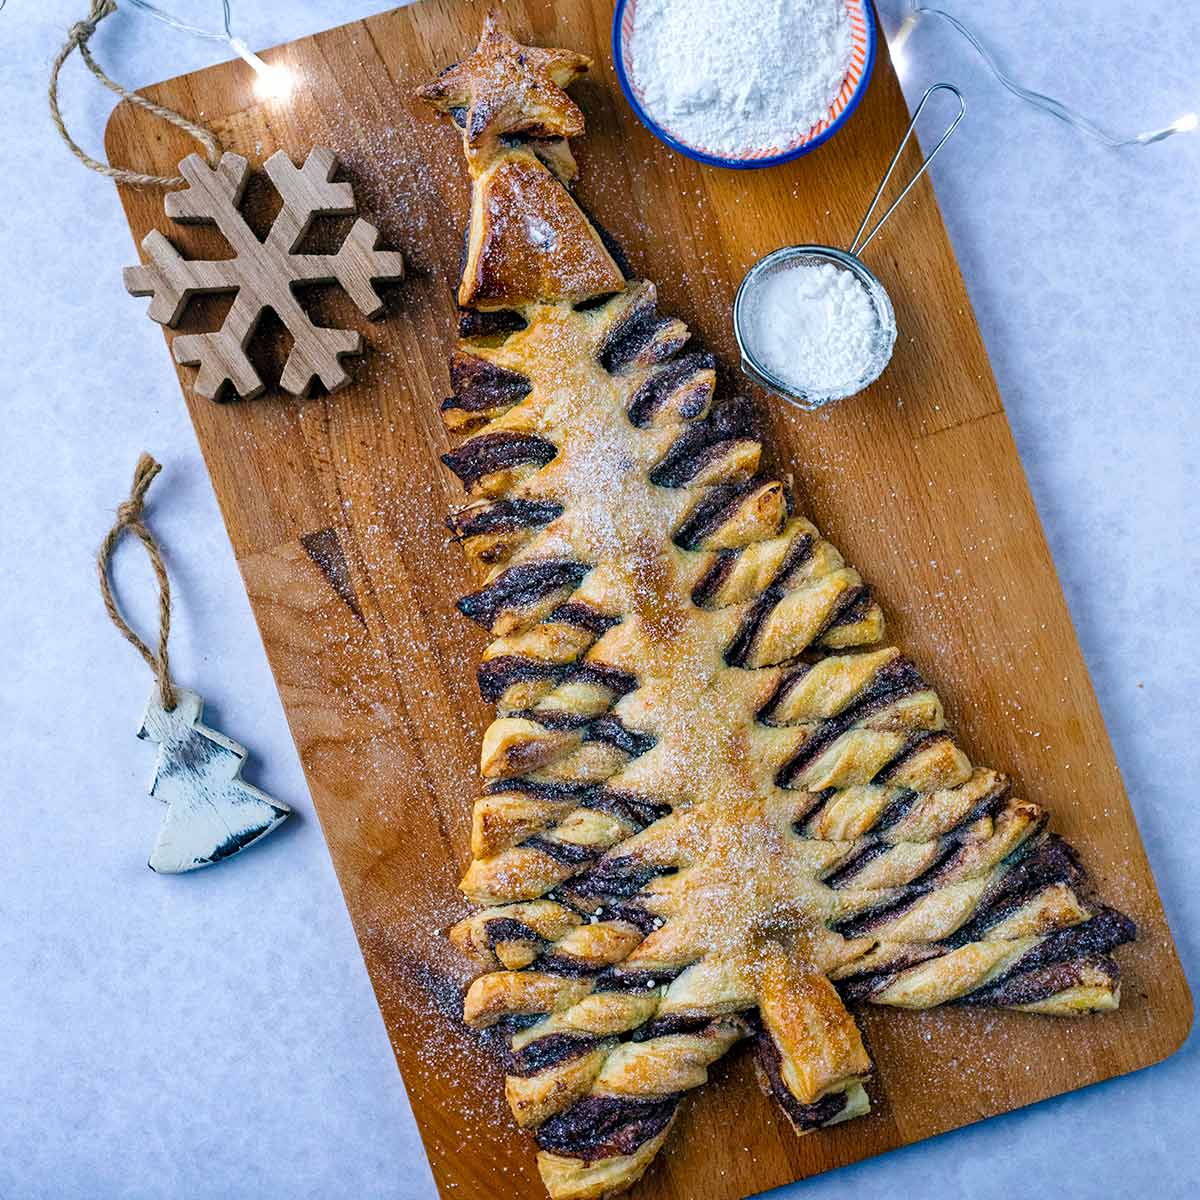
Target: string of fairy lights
(269, 80)
(1185, 123)
(276, 81)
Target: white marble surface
(215, 1035)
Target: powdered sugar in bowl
(743, 83)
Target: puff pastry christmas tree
(716, 807)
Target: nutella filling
(718, 505)
(803, 1116)
(605, 1126)
(503, 516)
(518, 587)
(549, 1051)
(666, 382)
(491, 452)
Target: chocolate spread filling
(737, 654)
(1040, 983)
(1035, 866)
(799, 553)
(683, 470)
(897, 810)
(559, 792)
(862, 923)
(731, 418)
(617, 681)
(608, 729)
(475, 324)
(569, 854)
(489, 452)
(1089, 939)
(519, 586)
(852, 608)
(633, 331)
(891, 682)
(515, 1022)
(618, 877)
(497, 675)
(480, 386)
(719, 503)
(855, 863)
(714, 578)
(668, 1026)
(583, 616)
(508, 929)
(626, 806)
(894, 679)
(594, 301)
(631, 335)
(605, 1126)
(564, 964)
(644, 922)
(914, 745)
(554, 718)
(503, 516)
(928, 880)
(549, 1051)
(787, 681)
(668, 380)
(1033, 977)
(615, 979)
(803, 1116)
(944, 868)
(864, 986)
(819, 800)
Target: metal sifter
(788, 256)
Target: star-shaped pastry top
(504, 87)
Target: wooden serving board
(335, 507)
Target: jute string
(77, 39)
(129, 517)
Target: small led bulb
(270, 82)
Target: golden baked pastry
(716, 805)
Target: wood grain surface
(335, 505)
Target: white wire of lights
(1056, 108)
(268, 80)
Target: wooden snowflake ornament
(263, 274)
(212, 812)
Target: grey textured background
(216, 1036)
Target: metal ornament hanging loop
(859, 244)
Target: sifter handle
(857, 247)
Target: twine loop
(82, 30)
(129, 518)
(78, 37)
